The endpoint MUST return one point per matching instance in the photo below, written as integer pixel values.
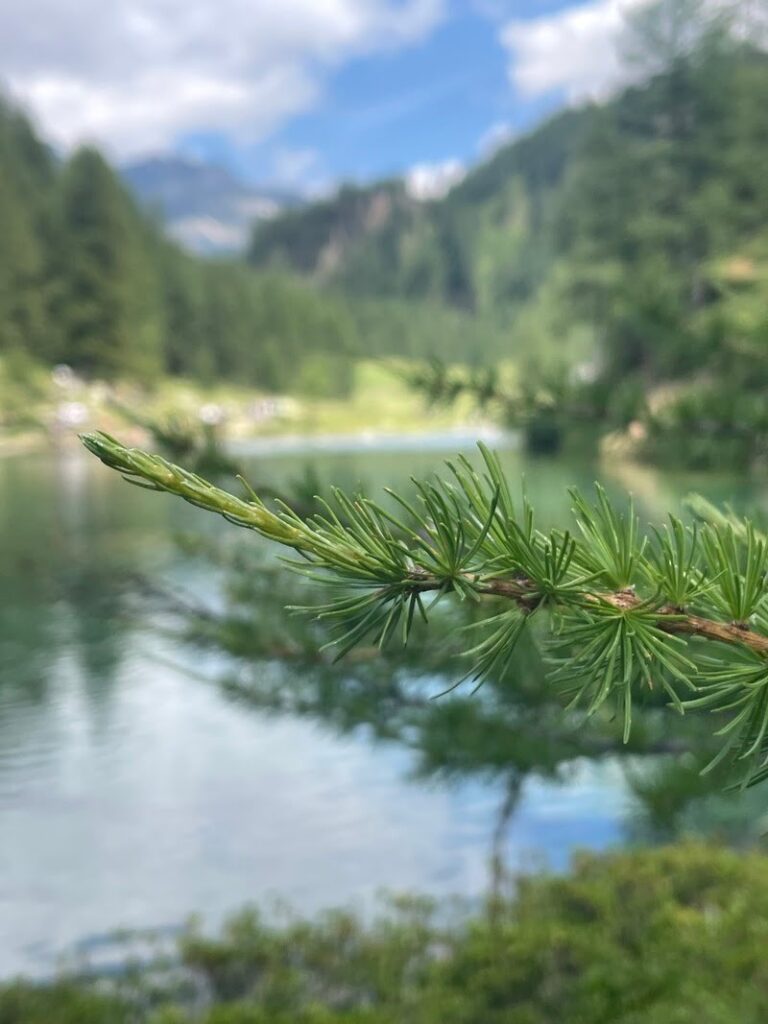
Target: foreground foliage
(644, 937)
(683, 612)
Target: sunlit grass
(36, 407)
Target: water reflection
(516, 730)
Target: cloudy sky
(305, 92)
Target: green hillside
(379, 241)
(87, 280)
(600, 241)
(672, 169)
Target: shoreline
(374, 440)
(266, 445)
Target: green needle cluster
(682, 608)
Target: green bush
(674, 935)
(61, 1003)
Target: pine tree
(26, 178)
(23, 315)
(107, 303)
(183, 302)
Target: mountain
(381, 240)
(596, 244)
(605, 218)
(318, 239)
(204, 206)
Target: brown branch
(676, 621)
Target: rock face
(321, 239)
(205, 207)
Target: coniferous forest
(620, 247)
(86, 279)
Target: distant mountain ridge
(484, 243)
(205, 207)
(317, 239)
(624, 240)
(661, 178)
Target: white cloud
(295, 167)
(494, 138)
(433, 181)
(576, 51)
(133, 74)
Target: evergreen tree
(26, 179)
(183, 302)
(24, 324)
(106, 300)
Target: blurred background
(331, 242)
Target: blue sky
(304, 93)
(380, 114)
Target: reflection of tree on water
(61, 576)
(100, 617)
(514, 729)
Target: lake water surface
(134, 791)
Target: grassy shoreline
(46, 409)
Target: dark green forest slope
(670, 171)
(87, 280)
(629, 237)
(620, 250)
(379, 241)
